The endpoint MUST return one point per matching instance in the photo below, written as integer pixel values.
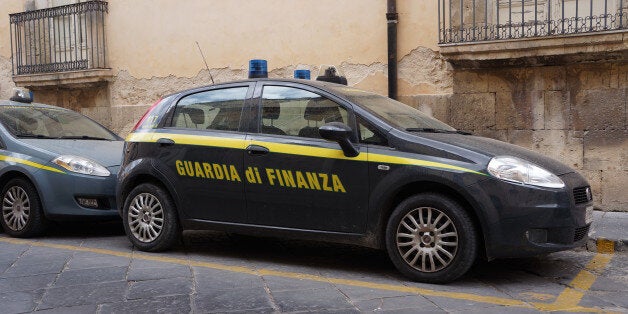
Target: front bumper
(524, 221)
(59, 193)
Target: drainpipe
(392, 18)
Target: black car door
(203, 148)
(294, 178)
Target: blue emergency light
(258, 69)
(302, 74)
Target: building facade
(550, 75)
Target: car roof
(320, 84)
(5, 103)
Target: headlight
(81, 165)
(518, 170)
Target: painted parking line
(568, 300)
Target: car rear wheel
(22, 215)
(431, 238)
(150, 218)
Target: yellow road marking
(564, 301)
(605, 246)
(569, 299)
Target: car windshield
(395, 113)
(51, 123)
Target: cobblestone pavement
(84, 268)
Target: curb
(606, 246)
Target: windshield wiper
(83, 137)
(34, 136)
(433, 130)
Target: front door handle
(165, 142)
(257, 150)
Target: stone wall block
(614, 187)
(622, 75)
(554, 78)
(472, 112)
(562, 145)
(101, 114)
(501, 135)
(436, 106)
(557, 107)
(508, 80)
(590, 76)
(606, 150)
(470, 82)
(520, 110)
(124, 118)
(523, 138)
(603, 109)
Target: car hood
(106, 153)
(492, 148)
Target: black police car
(316, 160)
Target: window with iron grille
(59, 39)
(463, 21)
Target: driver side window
(297, 112)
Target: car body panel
(373, 182)
(58, 187)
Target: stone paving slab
(81, 273)
(611, 227)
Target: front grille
(582, 195)
(580, 233)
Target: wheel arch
(131, 182)
(413, 188)
(11, 174)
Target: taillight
(139, 123)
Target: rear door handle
(165, 142)
(257, 150)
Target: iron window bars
(462, 21)
(59, 39)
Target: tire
(22, 214)
(431, 238)
(150, 218)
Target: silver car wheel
(145, 217)
(16, 208)
(427, 239)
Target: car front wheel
(431, 238)
(150, 218)
(22, 215)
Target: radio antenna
(206, 66)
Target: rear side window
(296, 112)
(211, 110)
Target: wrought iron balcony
(59, 39)
(469, 21)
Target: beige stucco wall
(6, 84)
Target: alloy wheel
(427, 239)
(145, 217)
(16, 208)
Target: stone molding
(607, 46)
(70, 79)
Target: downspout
(392, 18)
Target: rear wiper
(84, 137)
(35, 136)
(433, 130)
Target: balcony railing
(59, 39)
(467, 21)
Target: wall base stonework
(6, 84)
(575, 113)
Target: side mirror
(341, 133)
